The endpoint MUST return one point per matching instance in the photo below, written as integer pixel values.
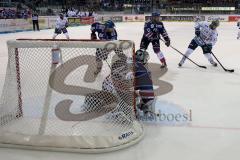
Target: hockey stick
(185, 56)
(226, 70)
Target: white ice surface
(212, 95)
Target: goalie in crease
(120, 82)
(116, 88)
(143, 84)
(105, 32)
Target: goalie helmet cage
(64, 106)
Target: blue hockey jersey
(143, 81)
(101, 31)
(153, 31)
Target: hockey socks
(162, 59)
(187, 54)
(210, 59)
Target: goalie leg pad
(147, 107)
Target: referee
(35, 21)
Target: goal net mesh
(65, 105)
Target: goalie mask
(142, 56)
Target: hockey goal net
(53, 100)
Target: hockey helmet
(155, 14)
(142, 56)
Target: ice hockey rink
(210, 95)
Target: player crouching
(144, 84)
(106, 32)
(61, 26)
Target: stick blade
(230, 70)
(203, 67)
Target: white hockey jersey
(208, 35)
(61, 23)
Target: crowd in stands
(216, 3)
(12, 13)
(111, 5)
(72, 12)
(138, 6)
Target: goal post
(53, 100)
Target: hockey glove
(167, 43)
(93, 36)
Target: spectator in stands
(12, 13)
(1, 15)
(86, 14)
(4, 12)
(90, 14)
(25, 14)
